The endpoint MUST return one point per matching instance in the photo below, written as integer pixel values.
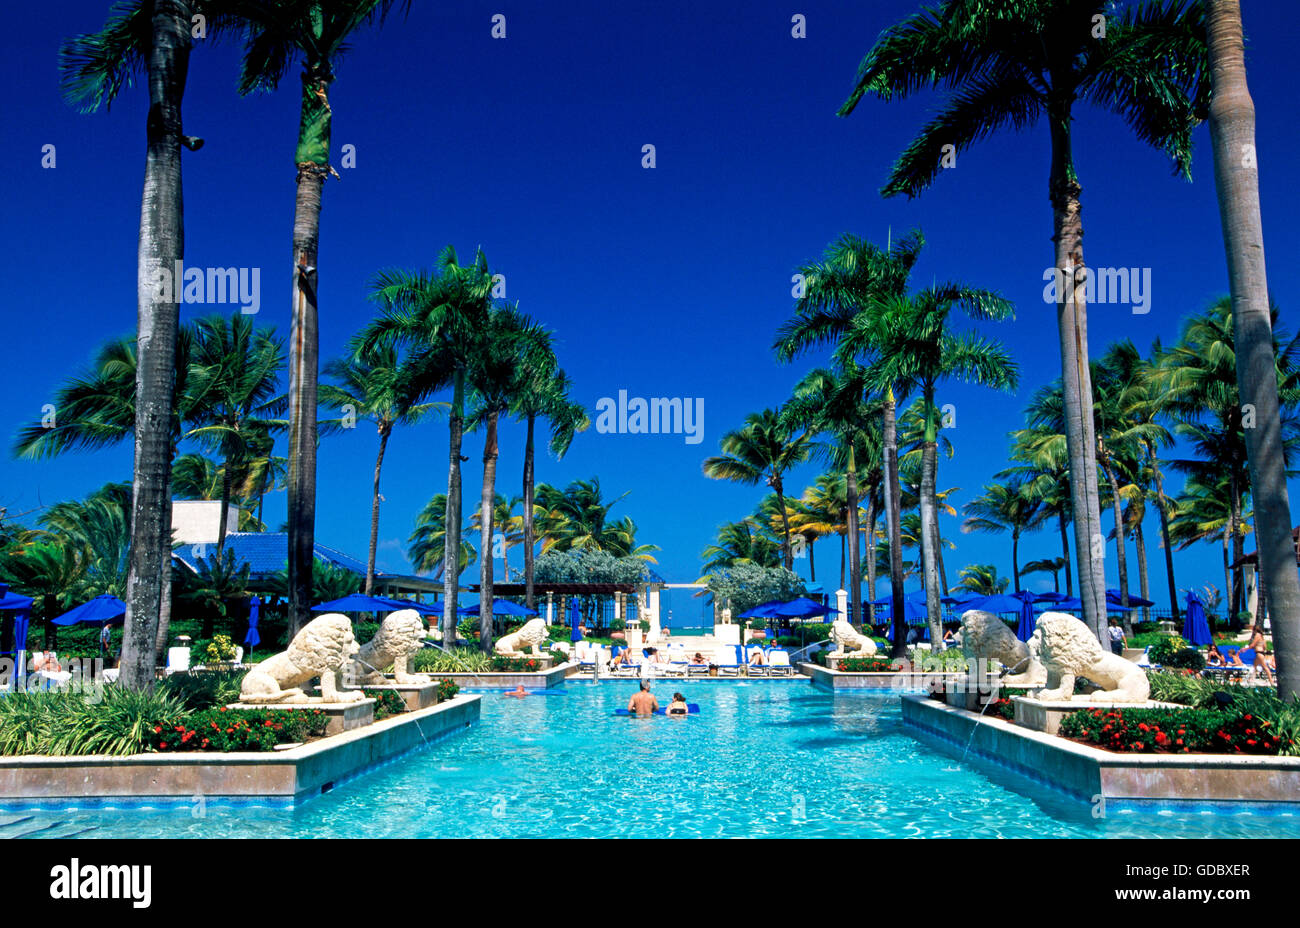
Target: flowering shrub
(447, 689)
(386, 703)
(239, 730)
(866, 664)
(504, 664)
(1174, 731)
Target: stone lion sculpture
(530, 636)
(322, 648)
(849, 642)
(984, 636)
(1069, 649)
(400, 635)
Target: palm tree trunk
(1121, 553)
(1227, 580)
(1072, 322)
(384, 432)
(312, 160)
(1164, 535)
(529, 478)
(855, 559)
(893, 517)
(1065, 552)
(787, 555)
(165, 600)
(870, 547)
(1232, 131)
(486, 562)
(844, 543)
(451, 535)
(812, 563)
(225, 506)
(1237, 600)
(1144, 588)
(161, 248)
(1015, 561)
(930, 522)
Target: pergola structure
(631, 601)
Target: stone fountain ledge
(918, 681)
(535, 680)
(1145, 782)
(278, 778)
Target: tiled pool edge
(900, 682)
(278, 778)
(1140, 782)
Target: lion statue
(1069, 649)
(530, 636)
(400, 635)
(849, 642)
(986, 637)
(322, 648)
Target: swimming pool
(762, 759)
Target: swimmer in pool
(643, 701)
(518, 691)
(678, 705)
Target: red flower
(157, 729)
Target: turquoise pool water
(763, 759)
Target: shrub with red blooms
(1173, 731)
(868, 665)
(239, 730)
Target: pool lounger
(778, 663)
(728, 660)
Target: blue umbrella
(1114, 601)
(21, 606)
(253, 639)
(575, 617)
(765, 610)
(1195, 628)
(802, 608)
(499, 607)
(97, 611)
(359, 602)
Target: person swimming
(518, 691)
(678, 705)
(643, 701)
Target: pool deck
(277, 778)
(1139, 782)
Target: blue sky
(664, 282)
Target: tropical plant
(743, 542)
(427, 545)
(744, 586)
(212, 586)
(577, 516)
(377, 387)
(1047, 565)
(982, 579)
(1014, 64)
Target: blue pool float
(692, 708)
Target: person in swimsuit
(678, 705)
(1212, 656)
(517, 691)
(643, 701)
(1257, 645)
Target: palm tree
(1232, 130)
(543, 392)
(438, 317)
(506, 524)
(236, 371)
(982, 579)
(1203, 511)
(151, 38)
(215, 583)
(838, 291)
(743, 542)
(428, 542)
(1048, 565)
(823, 510)
(1011, 64)
(375, 386)
(317, 32)
(577, 516)
(1006, 507)
(906, 346)
(835, 402)
(100, 528)
(48, 570)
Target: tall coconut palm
(907, 346)
(1047, 565)
(762, 451)
(427, 546)
(1006, 507)
(236, 371)
(1204, 511)
(743, 542)
(838, 290)
(507, 527)
(148, 38)
(824, 510)
(315, 32)
(1232, 130)
(48, 570)
(375, 386)
(982, 579)
(1012, 65)
(542, 392)
(837, 402)
(438, 317)
(577, 516)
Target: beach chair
(778, 663)
(585, 655)
(697, 670)
(752, 669)
(630, 667)
(178, 661)
(727, 658)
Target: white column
(842, 603)
(550, 608)
(652, 614)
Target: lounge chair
(753, 669)
(631, 667)
(178, 661)
(778, 663)
(697, 670)
(727, 657)
(584, 655)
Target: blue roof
(267, 553)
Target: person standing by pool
(1257, 645)
(1117, 641)
(643, 701)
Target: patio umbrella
(499, 607)
(96, 611)
(1113, 600)
(802, 608)
(21, 606)
(762, 610)
(359, 602)
(252, 639)
(1195, 628)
